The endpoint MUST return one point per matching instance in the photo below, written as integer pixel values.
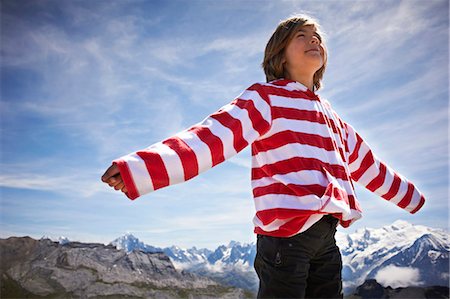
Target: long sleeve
(199, 148)
(367, 170)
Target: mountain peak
(129, 243)
(129, 236)
(432, 241)
(63, 240)
(234, 243)
(400, 224)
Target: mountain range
(395, 261)
(32, 268)
(396, 255)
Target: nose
(315, 40)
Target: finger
(113, 181)
(124, 189)
(110, 172)
(119, 186)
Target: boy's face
(305, 52)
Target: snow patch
(433, 255)
(400, 224)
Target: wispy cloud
(101, 79)
(65, 185)
(366, 48)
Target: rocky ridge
(43, 268)
(371, 289)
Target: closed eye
(301, 34)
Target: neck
(306, 80)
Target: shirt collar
(294, 85)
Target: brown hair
(274, 53)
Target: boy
(304, 162)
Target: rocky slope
(42, 268)
(371, 289)
(230, 264)
(402, 246)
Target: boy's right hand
(113, 178)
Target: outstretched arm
(197, 149)
(376, 176)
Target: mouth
(312, 50)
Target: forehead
(308, 28)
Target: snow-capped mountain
(129, 243)
(231, 264)
(187, 258)
(63, 240)
(402, 245)
(409, 254)
(235, 254)
(180, 257)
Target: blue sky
(84, 82)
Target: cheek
(293, 53)
(324, 53)
(287, 56)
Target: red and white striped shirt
(304, 159)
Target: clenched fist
(113, 178)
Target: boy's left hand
(113, 178)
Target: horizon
(339, 235)
(83, 83)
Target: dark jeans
(307, 265)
